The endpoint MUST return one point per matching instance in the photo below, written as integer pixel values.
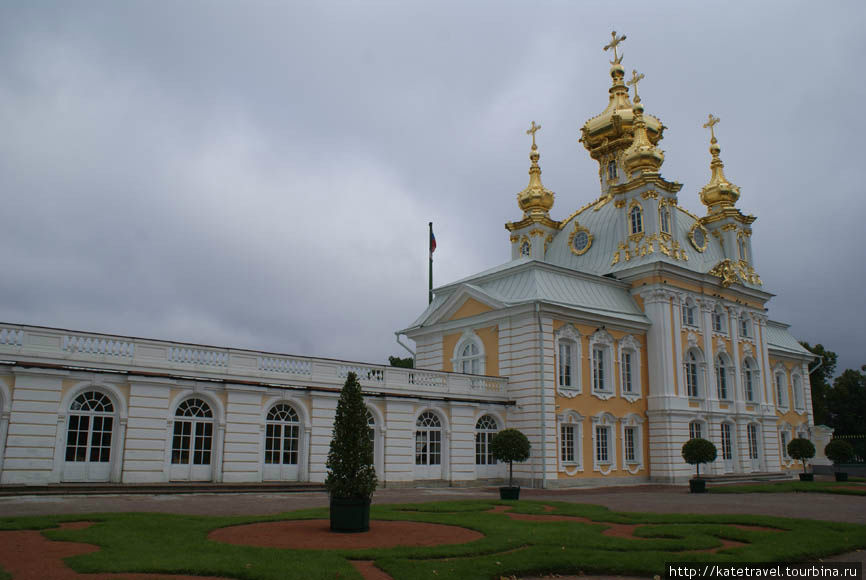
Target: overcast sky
(261, 174)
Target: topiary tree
(697, 451)
(510, 445)
(801, 449)
(839, 451)
(351, 473)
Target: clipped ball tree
(510, 445)
(801, 449)
(351, 478)
(839, 451)
(697, 451)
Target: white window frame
(664, 218)
(630, 345)
(724, 373)
(635, 226)
(700, 432)
(745, 327)
(785, 432)
(575, 420)
(719, 320)
(605, 421)
(602, 340)
(635, 423)
(568, 335)
(699, 367)
(780, 391)
(750, 366)
(753, 441)
(690, 310)
(798, 392)
(483, 437)
(457, 360)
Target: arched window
(428, 439)
(469, 355)
(371, 428)
(192, 440)
(525, 248)
(743, 248)
(665, 219)
(750, 378)
(601, 351)
(636, 219)
(693, 375)
(568, 360)
(781, 381)
(745, 327)
(719, 320)
(797, 387)
(629, 367)
(485, 429)
(611, 170)
(282, 435)
(689, 312)
(89, 431)
(722, 374)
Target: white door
(428, 447)
(727, 448)
(89, 435)
(754, 447)
(486, 466)
(192, 442)
(282, 444)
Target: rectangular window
(483, 453)
(598, 379)
(692, 378)
(629, 434)
(750, 391)
(753, 441)
(694, 430)
(180, 444)
(722, 380)
(784, 436)
(688, 315)
(727, 454)
(781, 400)
(566, 443)
(744, 328)
(626, 373)
(564, 364)
(601, 444)
(717, 322)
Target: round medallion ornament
(698, 237)
(580, 240)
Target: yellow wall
(706, 290)
(489, 338)
(469, 308)
(588, 405)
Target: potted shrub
(802, 449)
(695, 452)
(510, 445)
(839, 451)
(351, 478)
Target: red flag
(432, 242)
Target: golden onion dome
(719, 193)
(535, 199)
(642, 155)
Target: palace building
(611, 337)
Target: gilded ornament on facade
(580, 240)
(699, 234)
(732, 272)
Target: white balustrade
(198, 356)
(95, 345)
(364, 373)
(11, 336)
(426, 379)
(292, 366)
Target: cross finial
(711, 122)
(533, 129)
(615, 40)
(635, 79)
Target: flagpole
(430, 279)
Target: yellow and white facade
(611, 337)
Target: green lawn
(163, 543)
(840, 487)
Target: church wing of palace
(610, 338)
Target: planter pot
(509, 492)
(807, 477)
(350, 515)
(841, 476)
(698, 485)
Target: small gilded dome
(641, 155)
(535, 199)
(719, 193)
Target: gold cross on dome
(533, 129)
(711, 122)
(615, 40)
(635, 79)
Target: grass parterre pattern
(173, 544)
